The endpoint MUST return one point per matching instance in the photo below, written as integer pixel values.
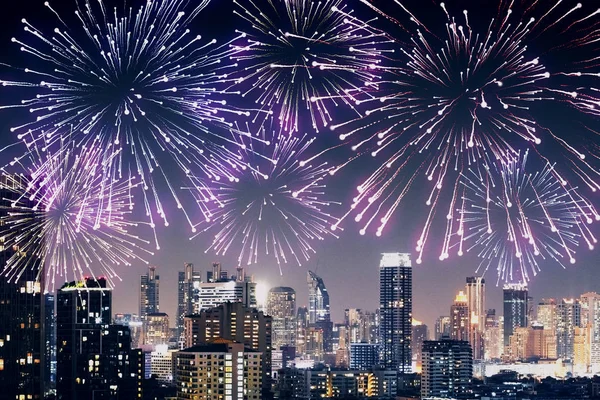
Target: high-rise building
(218, 291)
(546, 314)
(94, 358)
(459, 315)
(568, 317)
(149, 293)
(590, 315)
(515, 309)
(281, 306)
(395, 307)
(364, 356)
(49, 343)
(493, 338)
(582, 347)
(443, 326)
(475, 290)
(219, 370)
(157, 330)
(318, 308)
(188, 289)
(301, 330)
(447, 369)
(22, 338)
(420, 333)
(233, 321)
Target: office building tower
(515, 309)
(582, 347)
(475, 291)
(568, 317)
(493, 339)
(215, 292)
(395, 307)
(236, 322)
(94, 358)
(22, 337)
(318, 308)
(301, 330)
(364, 356)
(354, 320)
(590, 316)
(371, 322)
(187, 293)
(459, 315)
(546, 313)
(314, 344)
(219, 370)
(49, 343)
(447, 369)
(342, 351)
(420, 333)
(281, 306)
(149, 293)
(442, 327)
(157, 330)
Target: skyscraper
(49, 342)
(447, 369)
(94, 358)
(188, 289)
(157, 330)
(233, 321)
(420, 333)
(475, 290)
(546, 314)
(442, 326)
(568, 317)
(459, 316)
(515, 309)
(21, 319)
(395, 307)
(149, 293)
(281, 306)
(319, 314)
(590, 316)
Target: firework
(66, 214)
(513, 219)
(271, 203)
(473, 93)
(302, 57)
(137, 81)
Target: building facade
(395, 307)
(515, 309)
(319, 313)
(281, 306)
(568, 317)
(149, 293)
(235, 322)
(459, 315)
(475, 290)
(157, 330)
(188, 287)
(22, 314)
(94, 358)
(447, 369)
(218, 370)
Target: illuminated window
(1, 364)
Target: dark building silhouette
(22, 355)
(94, 358)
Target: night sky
(348, 266)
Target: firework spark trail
(138, 81)
(305, 57)
(514, 219)
(459, 98)
(69, 215)
(273, 202)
